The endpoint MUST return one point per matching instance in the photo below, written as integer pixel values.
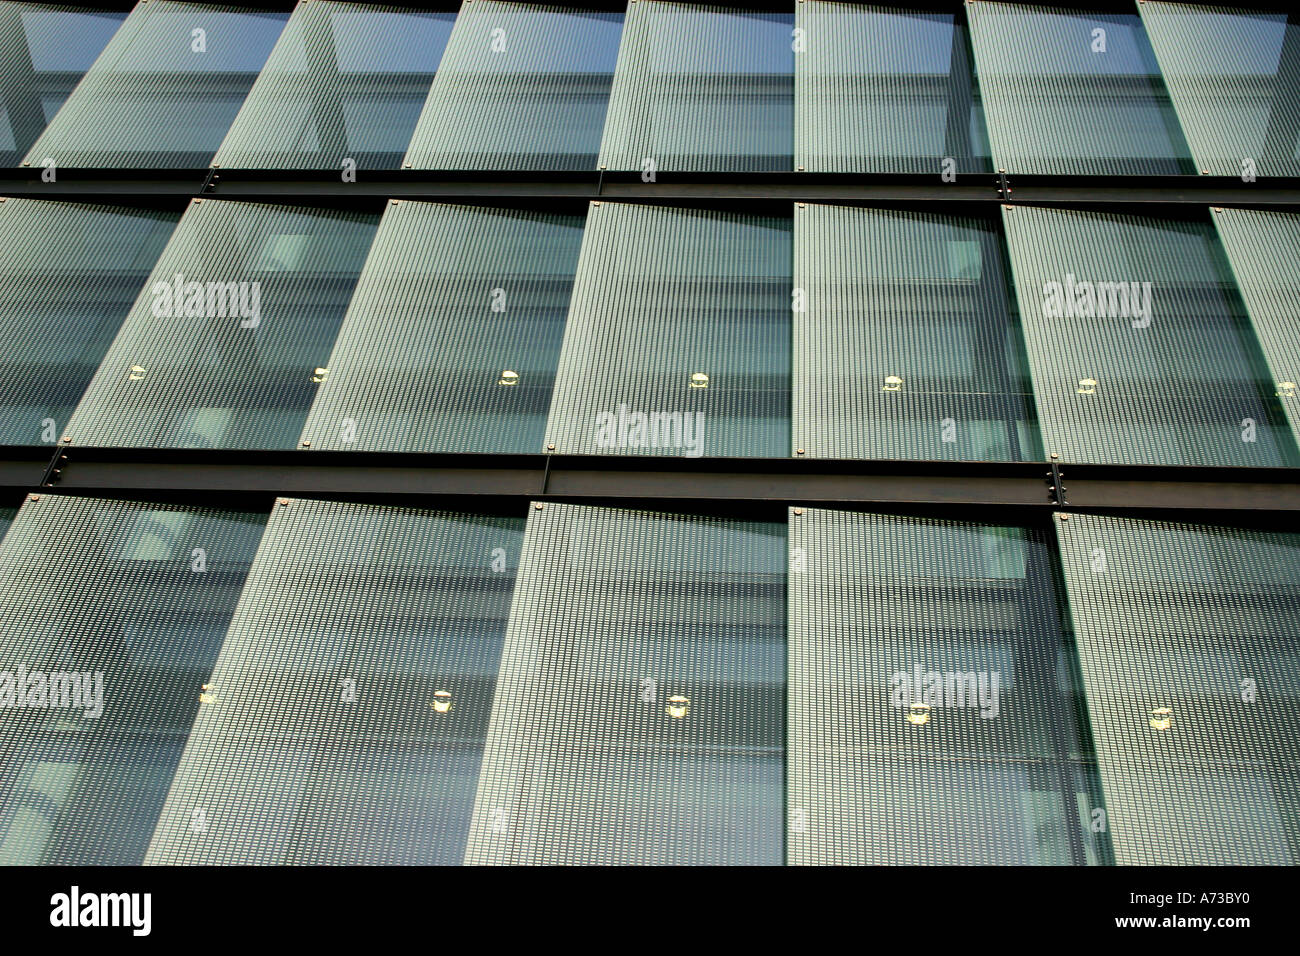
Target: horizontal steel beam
(725, 483)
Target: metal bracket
(1055, 485)
(1004, 186)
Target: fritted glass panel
(69, 274)
(905, 345)
(640, 710)
(702, 88)
(1189, 638)
(44, 52)
(1234, 78)
(678, 338)
(165, 89)
(345, 718)
(882, 89)
(1139, 347)
(111, 616)
(1264, 251)
(1073, 92)
(521, 86)
(227, 344)
(453, 335)
(931, 697)
(341, 90)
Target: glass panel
(1264, 251)
(165, 90)
(44, 51)
(1068, 92)
(344, 82)
(884, 90)
(641, 710)
(111, 616)
(678, 339)
(347, 712)
(1232, 76)
(453, 336)
(1140, 350)
(1189, 638)
(69, 274)
(521, 86)
(701, 87)
(905, 345)
(931, 697)
(227, 344)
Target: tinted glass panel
(1188, 637)
(344, 82)
(69, 274)
(700, 87)
(521, 86)
(1140, 349)
(226, 346)
(111, 616)
(165, 90)
(453, 336)
(678, 339)
(1070, 92)
(345, 718)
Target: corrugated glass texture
(453, 336)
(701, 88)
(347, 713)
(44, 51)
(678, 338)
(165, 89)
(1072, 92)
(1139, 347)
(906, 345)
(640, 712)
(342, 89)
(880, 89)
(521, 86)
(69, 274)
(234, 358)
(1234, 78)
(1264, 251)
(131, 600)
(931, 697)
(1189, 639)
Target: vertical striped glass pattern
(1189, 640)
(931, 684)
(165, 89)
(1264, 251)
(678, 338)
(904, 343)
(701, 87)
(347, 712)
(1234, 78)
(884, 90)
(1068, 92)
(345, 82)
(453, 336)
(1124, 373)
(44, 52)
(189, 369)
(134, 599)
(521, 86)
(640, 711)
(69, 273)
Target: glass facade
(519, 432)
